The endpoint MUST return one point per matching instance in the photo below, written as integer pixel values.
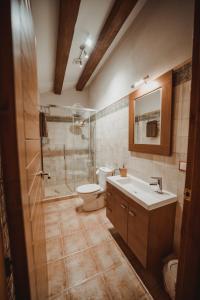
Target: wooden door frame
(3, 294)
(9, 61)
(188, 279)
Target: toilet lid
(88, 188)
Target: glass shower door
(69, 150)
(84, 164)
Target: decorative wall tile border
(120, 104)
(180, 75)
(66, 119)
(148, 116)
(59, 119)
(62, 152)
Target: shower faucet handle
(42, 174)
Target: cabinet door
(121, 210)
(110, 205)
(138, 232)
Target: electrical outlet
(182, 166)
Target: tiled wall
(112, 143)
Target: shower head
(80, 123)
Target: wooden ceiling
(67, 20)
(119, 13)
(69, 9)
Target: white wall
(68, 97)
(159, 39)
(45, 17)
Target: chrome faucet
(159, 183)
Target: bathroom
(109, 159)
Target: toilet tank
(102, 174)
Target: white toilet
(93, 194)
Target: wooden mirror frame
(164, 82)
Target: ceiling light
(83, 54)
(88, 42)
(140, 82)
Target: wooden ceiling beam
(119, 13)
(67, 20)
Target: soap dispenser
(123, 171)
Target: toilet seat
(88, 188)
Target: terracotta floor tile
(102, 216)
(124, 284)
(77, 232)
(65, 214)
(74, 242)
(92, 289)
(56, 277)
(54, 249)
(108, 225)
(52, 217)
(106, 255)
(97, 235)
(70, 225)
(49, 208)
(52, 230)
(79, 267)
(89, 220)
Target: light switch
(182, 166)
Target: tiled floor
(57, 190)
(84, 261)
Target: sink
(141, 192)
(124, 180)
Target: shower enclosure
(69, 150)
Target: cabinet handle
(123, 206)
(132, 213)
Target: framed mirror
(150, 110)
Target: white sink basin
(141, 192)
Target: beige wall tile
(112, 147)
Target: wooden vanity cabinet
(120, 215)
(138, 224)
(110, 204)
(116, 210)
(148, 233)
